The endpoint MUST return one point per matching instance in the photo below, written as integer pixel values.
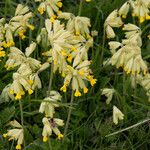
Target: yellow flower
(41, 10)
(51, 125)
(88, 0)
(31, 27)
(60, 136)
(51, 7)
(30, 91)
(52, 19)
(18, 147)
(92, 80)
(141, 19)
(140, 9)
(48, 105)
(77, 93)
(30, 82)
(59, 4)
(123, 11)
(45, 139)
(85, 90)
(4, 135)
(16, 134)
(2, 53)
(69, 59)
(63, 88)
(21, 34)
(18, 96)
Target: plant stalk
(69, 114)
(22, 118)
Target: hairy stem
(128, 128)
(80, 7)
(22, 118)
(69, 114)
(50, 79)
(48, 94)
(103, 47)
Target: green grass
(91, 119)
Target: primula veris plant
(127, 52)
(65, 49)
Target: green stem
(12, 145)
(128, 128)
(103, 47)
(20, 44)
(22, 120)
(48, 94)
(124, 83)
(6, 8)
(50, 79)
(49, 144)
(69, 114)
(80, 7)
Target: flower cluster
(144, 81)
(139, 9)
(127, 51)
(50, 123)
(52, 8)
(26, 77)
(65, 41)
(16, 26)
(112, 21)
(128, 54)
(69, 44)
(16, 134)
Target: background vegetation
(91, 119)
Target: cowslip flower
(20, 83)
(51, 124)
(144, 81)
(132, 34)
(77, 75)
(113, 46)
(113, 20)
(61, 42)
(110, 32)
(140, 9)
(129, 57)
(16, 58)
(117, 115)
(20, 22)
(128, 53)
(16, 134)
(8, 35)
(2, 29)
(5, 95)
(76, 24)
(108, 93)
(2, 52)
(51, 7)
(49, 103)
(123, 11)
